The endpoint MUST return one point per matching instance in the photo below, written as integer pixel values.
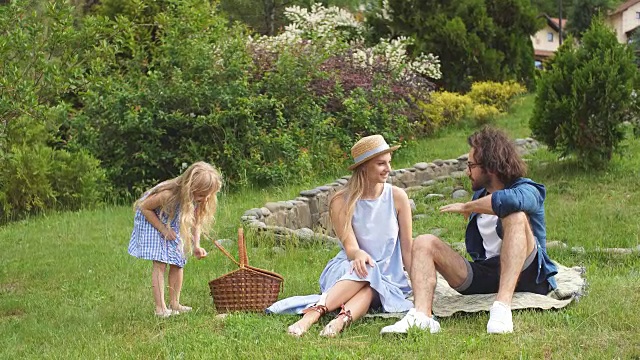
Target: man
(505, 238)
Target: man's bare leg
(517, 243)
(430, 254)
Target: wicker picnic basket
(247, 288)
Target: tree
(475, 39)
(586, 95)
(266, 16)
(582, 12)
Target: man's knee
(516, 219)
(425, 244)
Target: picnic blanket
(571, 285)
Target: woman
(372, 219)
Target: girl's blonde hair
(202, 178)
(352, 191)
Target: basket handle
(224, 251)
(242, 249)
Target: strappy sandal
(344, 316)
(296, 330)
(164, 313)
(180, 309)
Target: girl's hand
(359, 263)
(169, 234)
(199, 252)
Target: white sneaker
(412, 319)
(500, 320)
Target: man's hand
(460, 208)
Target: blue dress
(375, 224)
(148, 243)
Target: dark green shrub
(584, 97)
(41, 53)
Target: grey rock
(324, 188)
(305, 233)
(273, 206)
(421, 166)
(310, 193)
(458, 174)
(443, 178)
(252, 212)
(341, 181)
(438, 162)
(247, 218)
(412, 204)
(617, 251)
(578, 250)
(460, 194)
(420, 216)
(264, 211)
(434, 196)
(429, 183)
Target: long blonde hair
(351, 192)
(200, 177)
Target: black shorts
(483, 277)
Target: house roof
(555, 22)
(624, 6)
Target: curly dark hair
(496, 153)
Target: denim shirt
(522, 195)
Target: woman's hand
(359, 263)
(199, 252)
(169, 234)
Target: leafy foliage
(585, 96)
(476, 40)
(583, 12)
(41, 56)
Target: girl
(169, 219)
(372, 219)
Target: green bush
(446, 108)
(41, 56)
(499, 95)
(585, 96)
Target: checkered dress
(147, 242)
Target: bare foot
(301, 326)
(333, 328)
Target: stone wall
(307, 216)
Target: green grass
(68, 288)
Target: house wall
(624, 21)
(629, 21)
(615, 21)
(540, 41)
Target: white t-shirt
(490, 239)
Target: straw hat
(369, 147)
